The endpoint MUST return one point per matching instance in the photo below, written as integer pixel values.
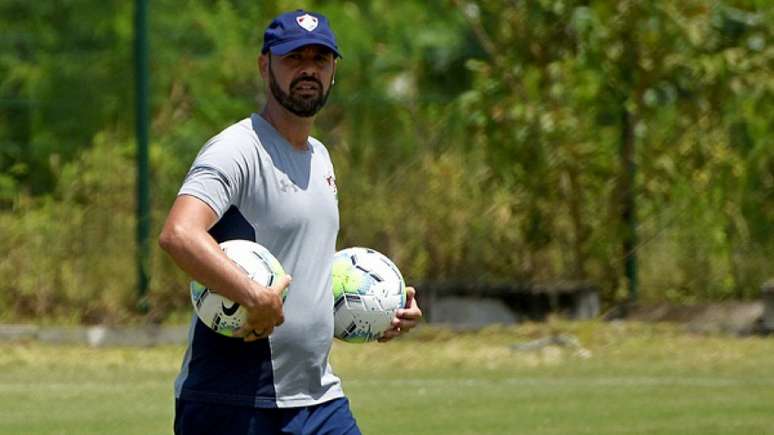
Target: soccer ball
(220, 313)
(367, 291)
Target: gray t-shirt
(264, 190)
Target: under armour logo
(287, 186)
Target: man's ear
(263, 65)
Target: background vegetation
(473, 140)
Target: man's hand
(266, 313)
(405, 318)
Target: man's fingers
(404, 324)
(410, 294)
(254, 335)
(252, 330)
(400, 326)
(405, 318)
(411, 310)
(413, 313)
(243, 332)
(282, 284)
(274, 309)
(388, 335)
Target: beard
(293, 101)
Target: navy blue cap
(292, 30)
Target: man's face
(300, 80)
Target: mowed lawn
(622, 378)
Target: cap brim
(287, 47)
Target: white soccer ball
(367, 291)
(220, 313)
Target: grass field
(626, 378)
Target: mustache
(299, 80)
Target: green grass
(629, 378)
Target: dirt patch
(740, 318)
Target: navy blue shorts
(329, 418)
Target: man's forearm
(199, 255)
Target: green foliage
(64, 67)
(472, 140)
(440, 220)
(548, 116)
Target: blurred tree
(560, 78)
(60, 62)
(473, 140)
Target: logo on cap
(307, 21)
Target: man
(265, 179)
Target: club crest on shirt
(331, 180)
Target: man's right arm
(186, 239)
